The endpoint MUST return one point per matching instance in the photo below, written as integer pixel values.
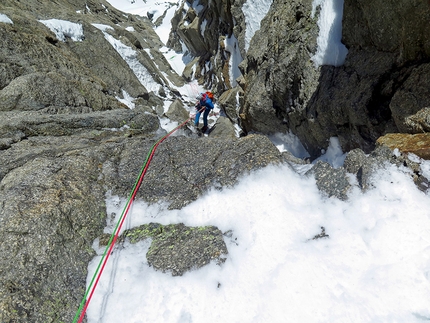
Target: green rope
(114, 233)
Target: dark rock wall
(400, 27)
(384, 79)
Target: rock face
(204, 28)
(52, 196)
(384, 79)
(68, 134)
(194, 166)
(44, 73)
(279, 77)
(402, 30)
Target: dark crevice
(379, 106)
(52, 40)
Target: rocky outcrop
(418, 144)
(16, 127)
(203, 29)
(194, 166)
(279, 77)
(176, 248)
(359, 169)
(383, 81)
(223, 128)
(364, 166)
(52, 203)
(43, 71)
(177, 112)
(230, 102)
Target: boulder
(176, 248)
(419, 122)
(223, 128)
(177, 112)
(418, 144)
(330, 181)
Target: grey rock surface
(52, 194)
(279, 75)
(183, 168)
(223, 128)
(177, 112)
(333, 182)
(230, 102)
(176, 248)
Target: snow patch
(330, 49)
(130, 56)
(5, 19)
(254, 11)
(65, 29)
(373, 267)
(334, 154)
(127, 99)
(289, 142)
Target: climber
(205, 104)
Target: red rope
(130, 201)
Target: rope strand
(96, 277)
